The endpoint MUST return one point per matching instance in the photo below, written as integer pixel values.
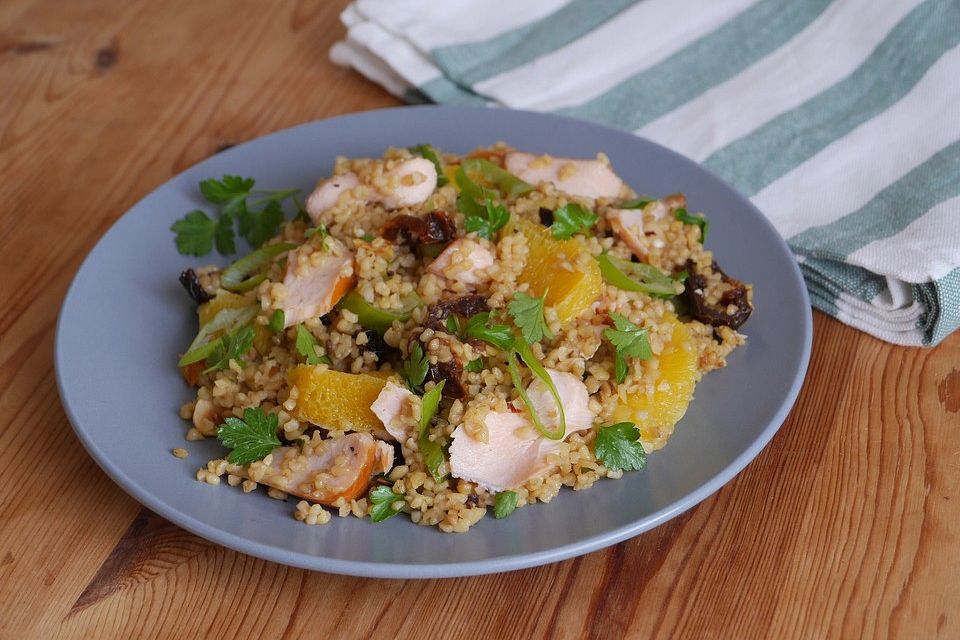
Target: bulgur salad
(441, 335)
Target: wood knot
(948, 391)
(107, 56)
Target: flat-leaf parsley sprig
(630, 341)
(257, 221)
(250, 439)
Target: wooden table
(848, 524)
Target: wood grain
(847, 525)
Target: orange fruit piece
(335, 399)
(569, 292)
(657, 414)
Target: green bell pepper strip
(232, 278)
(370, 317)
(225, 321)
(509, 185)
(652, 281)
(635, 203)
(427, 152)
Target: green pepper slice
(370, 317)
(652, 281)
(233, 278)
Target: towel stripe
(904, 136)
(475, 61)
(444, 91)
(841, 34)
(713, 59)
(889, 212)
(926, 249)
(775, 148)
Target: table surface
(848, 523)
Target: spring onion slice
(225, 321)
(652, 281)
(430, 449)
(526, 354)
(233, 277)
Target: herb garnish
(197, 233)
(486, 219)
(630, 341)
(618, 447)
(499, 335)
(527, 313)
(252, 438)
(475, 365)
(381, 503)
(415, 367)
(570, 219)
(700, 220)
(504, 504)
(306, 345)
(231, 346)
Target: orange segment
(335, 399)
(656, 415)
(569, 292)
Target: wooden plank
(846, 525)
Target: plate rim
(439, 570)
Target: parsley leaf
(224, 237)
(475, 365)
(381, 503)
(630, 341)
(259, 226)
(252, 438)
(618, 447)
(232, 346)
(277, 320)
(306, 345)
(700, 220)
(499, 335)
(486, 219)
(415, 367)
(431, 450)
(527, 313)
(426, 151)
(195, 232)
(230, 191)
(570, 219)
(504, 504)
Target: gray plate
(126, 317)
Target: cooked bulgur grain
(328, 396)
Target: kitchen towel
(840, 119)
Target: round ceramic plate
(126, 318)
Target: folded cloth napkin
(839, 119)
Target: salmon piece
(515, 452)
(410, 183)
(464, 260)
(324, 470)
(314, 284)
(585, 178)
(391, 405)
(327, 193)
(628, 224)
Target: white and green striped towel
(839, 118)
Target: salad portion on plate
(447, 336)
